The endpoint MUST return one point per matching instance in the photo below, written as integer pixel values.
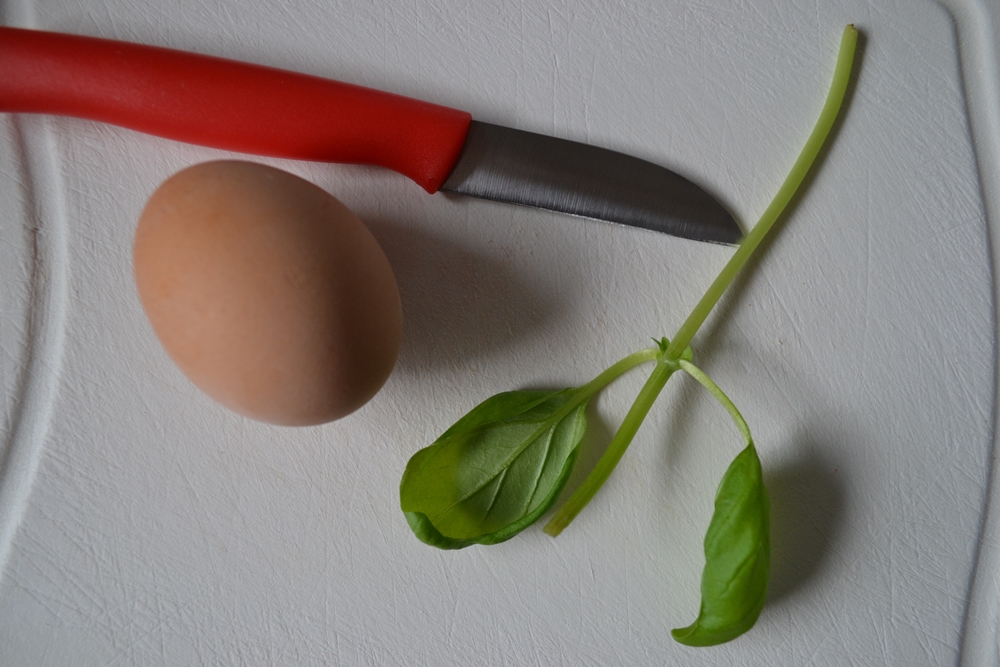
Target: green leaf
(737, 556)
(496, 470)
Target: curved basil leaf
(495, 471)
(737, 556)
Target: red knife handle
(228, 104)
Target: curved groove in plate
(978, 30)
(49, 290)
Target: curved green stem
(612, 373)
(616, 448)
(584, 393)
(827, 117)
(720, 396)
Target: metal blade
(504, 164)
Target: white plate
(145, 525)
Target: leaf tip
(425, 531)
(681, 635)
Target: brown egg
(268, 293)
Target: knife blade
(250, 108)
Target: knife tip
(716, 225)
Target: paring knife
(265, 111)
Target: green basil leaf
(737, 556)
(495, 471)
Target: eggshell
(267, 292)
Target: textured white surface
(160, 529)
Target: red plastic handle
(227, 104)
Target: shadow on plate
(459, 303)
(807, 508)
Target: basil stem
(673, 352)
(827, 117)
(714, 390)
(619, 443)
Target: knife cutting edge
(261, 110)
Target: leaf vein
(496, 494)
(541, 467)
(549, 423)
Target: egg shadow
(807, 514)
(459, 304)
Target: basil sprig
(502, 465)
